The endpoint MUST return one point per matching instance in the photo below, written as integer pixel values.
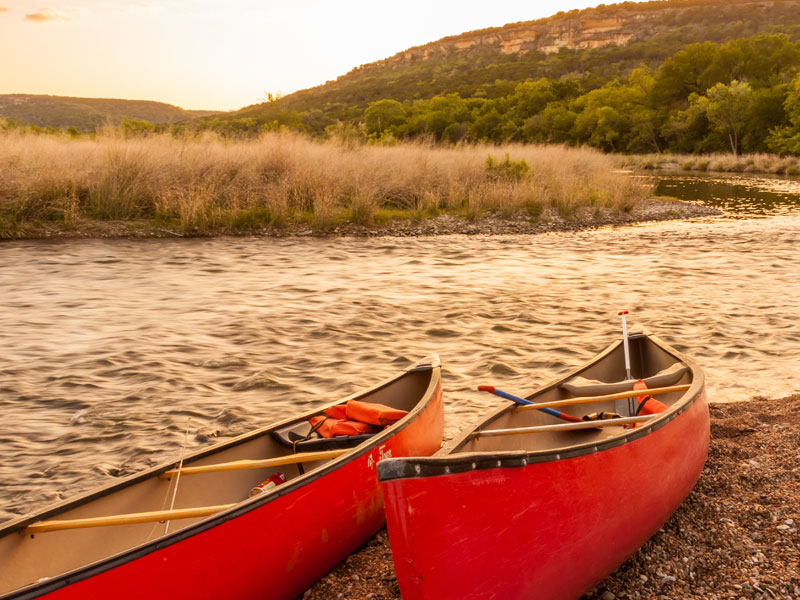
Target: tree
(488, 127)
(686, 130)
(530, 98)
(766, 112)
(693, 69)
(787, 138)
(727, 106)
(136, 127)
(554, 124)
(383, 115)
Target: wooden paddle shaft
(591, 399)
(289, 459)
(564, 427)
(129, 519)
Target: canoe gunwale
(37, 590)
(449, 461)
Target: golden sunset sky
(222, 55)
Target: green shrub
(535, 209)
(512, 170)
(252, 219)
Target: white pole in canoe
(624, 314)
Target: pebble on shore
(735, 536)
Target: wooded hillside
(87, 114)
(587, 48)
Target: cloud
(45, 15)
(3, 9)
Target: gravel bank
(653, 209)
(736, 536)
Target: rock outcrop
(576, 30)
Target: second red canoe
(524, 506)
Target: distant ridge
(87, 114)
(589, 47)
(592, 45)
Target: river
(111, 348)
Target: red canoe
(524, 506)
(216, 542)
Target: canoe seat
(580, 386)
(298, 432)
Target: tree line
(738, 96)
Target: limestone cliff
(578, 30)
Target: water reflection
(739, 195)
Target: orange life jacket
(366, 412)
(336, 412)
(329, 427)
(374, 414)
(355, 418)
(647, 405)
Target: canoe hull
(274, 551)
(548, 524)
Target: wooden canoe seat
(294, 436)
(579, 386)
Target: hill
(590, 46)
(87, 114)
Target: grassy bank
(207, 186)
(724, 163)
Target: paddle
(518, 400)
(564, 426)
(604, 398)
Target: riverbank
(736, 535)
(487, 223)
(113, 185)
(715, 162)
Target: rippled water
(743, 196)
(109, 347)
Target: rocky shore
(735, 536)
(652, 209)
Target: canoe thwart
(607, 397)
(289, 459)
(579, 386)
(129, 519)
(563, 427)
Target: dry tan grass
(208, 184)
(726, 163)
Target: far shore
(648, 210)
(758, 163)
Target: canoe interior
(647, 359)
(27, 559)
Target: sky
(223, 55)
